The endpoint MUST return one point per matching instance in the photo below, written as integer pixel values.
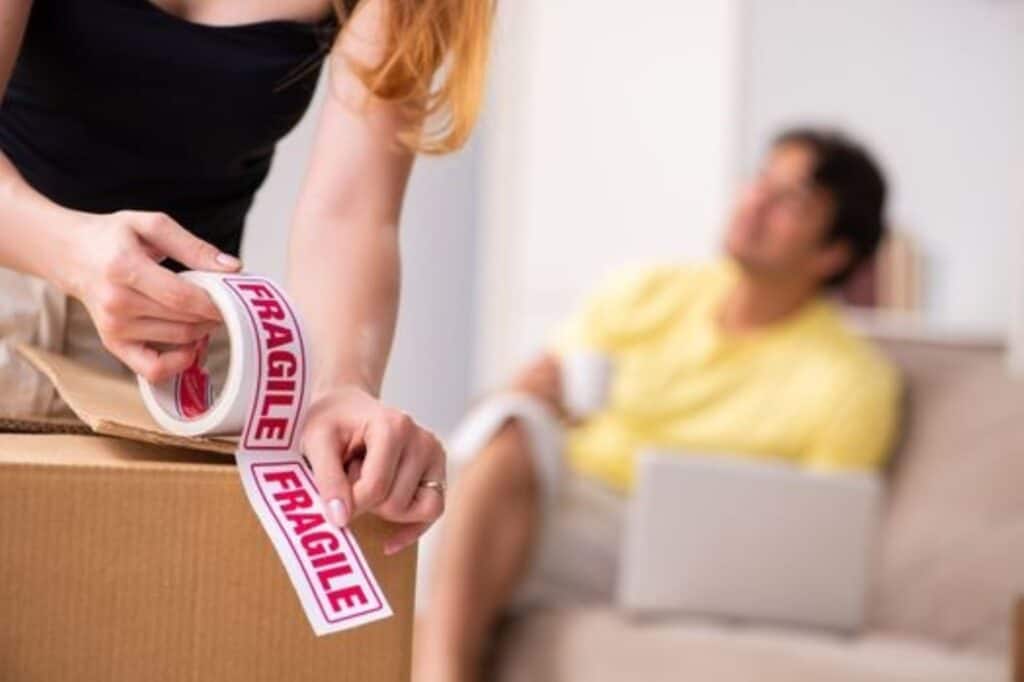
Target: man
(743, 357)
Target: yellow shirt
(803, 390)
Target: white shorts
(576, 561)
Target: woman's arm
(344, 239)
(31, 228)
(109, 262)
(344, 275)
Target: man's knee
(507, 460)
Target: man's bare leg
(491, 526)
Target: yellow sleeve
(609, 311)
(861, 432)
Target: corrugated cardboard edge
(48, 449)
(120, 413)
(113, 428)
(44, 425)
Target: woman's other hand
(146, 316)
(370, 458)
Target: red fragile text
(320, 546)
(275, 412)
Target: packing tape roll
(263, 401)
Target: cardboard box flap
(108, 404)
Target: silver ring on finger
(439, 486)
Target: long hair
(433, 67)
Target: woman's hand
(146, 316)
(368, 457)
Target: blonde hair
(433, 67)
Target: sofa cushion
(952, 542)
(564, 644)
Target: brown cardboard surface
(127, 561)
(109, 404)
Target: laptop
(750, 540)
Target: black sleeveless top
(117, 104)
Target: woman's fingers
(155, 366)
(160, 284)
(375, 459)
(323, 448)
(405, 536)
(172, 240)
(140, 240)
(428, 503)
(354, 469)
(408, 475)
(385, 439)
(149, 330)
(408, 500)
(119, 314)
(134, 301)
(426, 506)
(128, 302)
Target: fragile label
(326, 566)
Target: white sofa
(949, 569)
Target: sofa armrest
(1017, 642)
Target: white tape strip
(263, 400)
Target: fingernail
(227, 260)
(390, 549)
(339, 515)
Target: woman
(134, 131)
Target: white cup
(586, 380)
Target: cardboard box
(124, 560)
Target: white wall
(617, 134)
(929, 86)
(429, 370)
(611, 140)
(1017, 211)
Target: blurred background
(618, 133)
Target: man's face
(781, 219)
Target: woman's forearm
(344, 259)
(345, 277)
(34, 231)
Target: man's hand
(542, 378)
(370, 458)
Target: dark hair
(849, 173)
